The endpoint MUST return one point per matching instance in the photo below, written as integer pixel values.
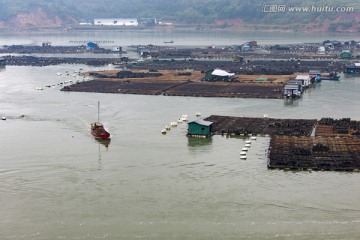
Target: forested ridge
(192, 11)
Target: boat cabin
(315, 75)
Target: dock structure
(314, 153)
(261, 126)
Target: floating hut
(219, 75)
(200, 128)
(353, 68)
(305, 80)
(345, 54)
(293, 88)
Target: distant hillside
(321, 15)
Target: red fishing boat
(97, 129)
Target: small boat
(97, 129)
(330, 76)
(169, 41)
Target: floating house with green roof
(200, 128)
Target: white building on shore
(116, 22)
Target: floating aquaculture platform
(345, 127)
(300, 144)
(173, 83)
(314, 153)
(261, 126)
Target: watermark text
(309, 9)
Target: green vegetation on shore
(229, 12)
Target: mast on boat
(98, 111)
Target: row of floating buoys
(66, 81)
(183, 118)
(246, 148)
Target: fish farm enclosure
(300, 144)
(261, 126)
(316, 153)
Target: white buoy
(3, 118)
(173, 124)
(163, 131)
(247, 145)
(248, 142)
(39, 88)
(253, 138)
(184, 119)
(197, 114)
(243, 153)
(168, 127)
(244, 149)
(243, 157)
(58, 74)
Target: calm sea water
(158, 37)
(57, 182)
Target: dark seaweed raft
(344, 127)
(316, 153)
(261, 126)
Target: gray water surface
(57, 182)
